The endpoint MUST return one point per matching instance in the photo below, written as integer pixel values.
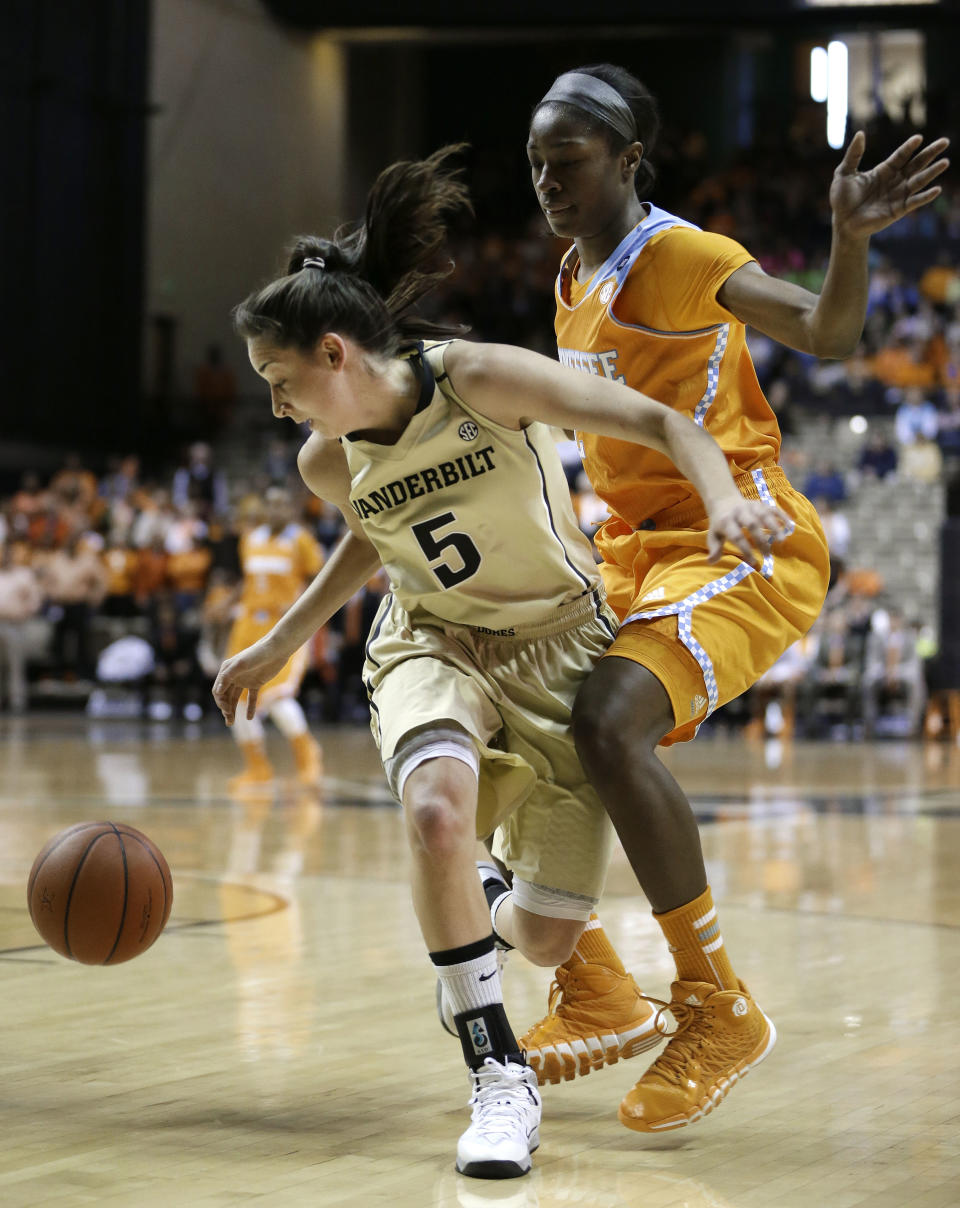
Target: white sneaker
(505, 1122)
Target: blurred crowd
(122, 587)
(95, 554)
(124, 579)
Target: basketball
(100, 893)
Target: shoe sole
(713, 1099)
(493, 1169)
(571, 1059)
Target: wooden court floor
(278, 1045)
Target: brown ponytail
(366, 280)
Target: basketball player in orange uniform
(647, 299)
(279, 558)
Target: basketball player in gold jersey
(277, 558)
(442, 460)
(647, 300)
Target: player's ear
(331, 351)
(631, 158)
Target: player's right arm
(323, 468)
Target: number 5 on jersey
(460, 547)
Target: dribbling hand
(753, 527)
(246, 672)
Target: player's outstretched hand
(748, 524)
(246, 672)
(866, 202)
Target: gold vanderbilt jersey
(473, 521)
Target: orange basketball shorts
(709, 631)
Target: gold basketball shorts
(514, 695)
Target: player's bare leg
(621, 714)
(440, 800)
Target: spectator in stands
(121, 483)
(948, 422)
(198, 482)
(188, 564)
(20, 600)
(940, 283)
(778, 396)
(150, 575)
(922, 461)
(327, 525)
(858, 392)
(903, 363)
(186, 528)
(155, 518)
(836, 528)
(176, 677)
(826, 482)
(223, 541)
(74, 583)
(835, 674)
(76, 485)
(280, 462)
(893, 671)
(916, 418)
(878, 457)
(29, 501)
(120, 563)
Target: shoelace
(557, 988)
(671, 1065)
(500, 1096)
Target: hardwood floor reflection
(278, 1044)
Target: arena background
(279, 1043)
(159, 156)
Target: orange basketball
(100, 893)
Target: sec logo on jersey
(468, 430)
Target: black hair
(646, 113)
(372, 273)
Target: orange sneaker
(721, 1035)
(595, 1017)
(257, 772)
(309, 760)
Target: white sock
(246, 731)
(287, 715)
(474, 983)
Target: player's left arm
(516, 387)
(829, 324)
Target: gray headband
(314, 262)
(595, 97)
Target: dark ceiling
(550, 14)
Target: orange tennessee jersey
(276, 567)
(649, 317)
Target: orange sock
(693, 933)
(593, 948)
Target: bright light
(863, 3)
(818, 73)
(858, 424)
(836, 93)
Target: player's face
(579, 182)
(278, 511)
(306, 387)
